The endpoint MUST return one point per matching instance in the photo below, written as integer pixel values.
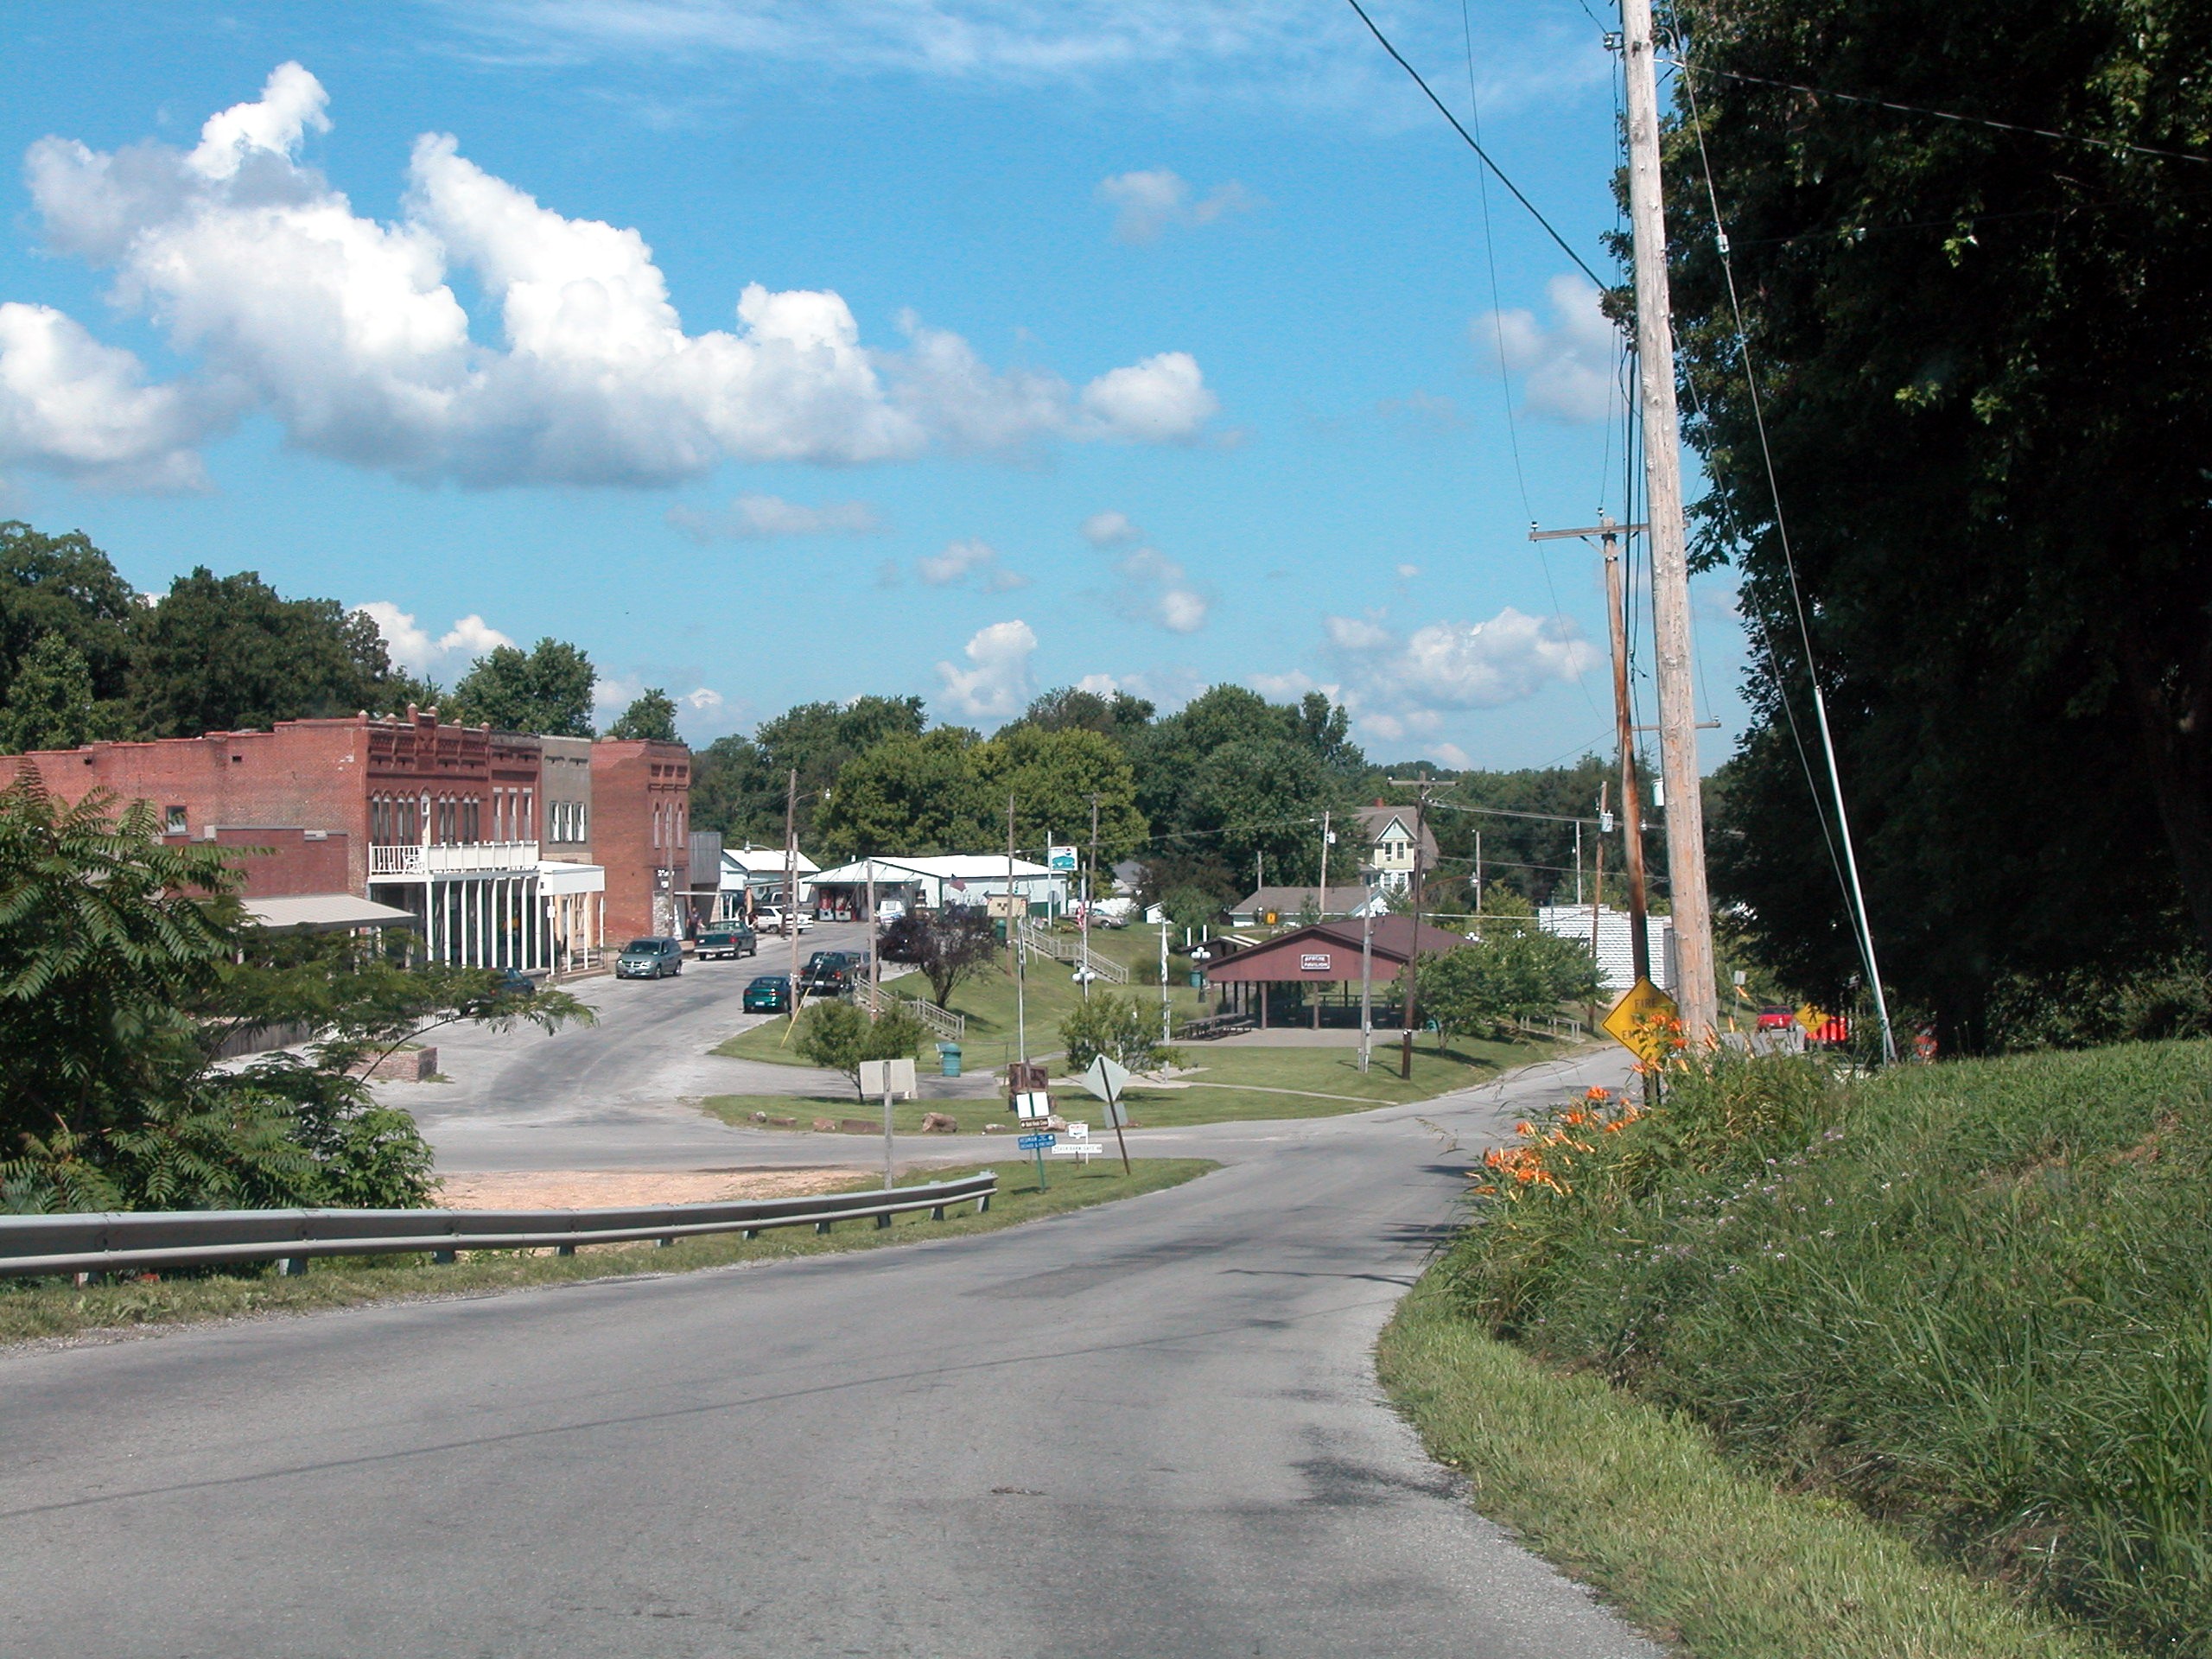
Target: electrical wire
(1581, 263)
(1964, 120)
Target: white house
(1387, 860)
(941, 881)
(761, 871)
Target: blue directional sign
(1035, 1142)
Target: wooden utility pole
(790, 883)
(1089, 891)
(1322, 909)
(1609, 535)
(1695, 994)
(1413, 951)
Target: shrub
(1121, 1028)
(1517, 973)
(838, 1037)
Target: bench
(1208, 1027)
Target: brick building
(640, 833)
(443, 821)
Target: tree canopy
(1984, 356)
(650, 716)
(546, 691)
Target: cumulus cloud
(1405, 684)
(1568, 368)
(350, 331)
(703, 701)
(1153, 587)
(995, 685)
(1147, 203)
(71, 406)
(1166, 689)
(413, 647)
(971, 558)
(757, 518)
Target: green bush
(1517, 972)
(1971, 1298)
(1122, 1028)
(838, 1037)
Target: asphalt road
(1151, 1428)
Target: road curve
(1147, 1429)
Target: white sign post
(887, 1077)
(1106, 1079)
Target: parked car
(1775, 1017)
(772, 920)
(829, 973)
(732, 939)
(890, 910)
(650, 959)
(512, 981)
(769, 994)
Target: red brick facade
(641, 794)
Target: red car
(1777, 1018)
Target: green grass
(1236, 1083)
(34, 1309)
(1638, 1502)
(1973, 1299)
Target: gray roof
(325, 912)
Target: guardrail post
(291, 1267)
(668, 1243)
(936, 1212)
(883, 1221)
(982, 1204)
(564, 1250)
(820, 1226)
(752, 1233)
(444, 1258)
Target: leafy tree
(1513, 974)
(838, 1037)
(1984, 354)
(50, 705)
(64, 587)
(1264, 797)
(652, 715)
(908, 794)
(1120, 1027)
(1116, 714)
(732, 792)
(949, 946)
(1052, 776)
(125, 965)
(229, 653)
(546, 691)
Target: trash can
(1197, 979)
(948, 1059)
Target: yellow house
(1388, 859)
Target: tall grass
(1975, 1299)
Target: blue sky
(776, 352)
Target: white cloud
(412, 647)
(1161, 400)
(963, 559)
(757, 518)
(1408, 572)
(1570, 368)
(1399, 686)
(704, 700)
(71, 406)
(349, 330)
(1149, 202)
(1108, 530)
(1155, 589)
(996, 685)
(1166, 689)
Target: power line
(1964, 120)
(1582, 264)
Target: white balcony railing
(414, 862)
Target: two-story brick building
(449, 823)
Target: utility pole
(1413, 951)
(1090, 887)
(791, 884)
(1598, 899)
(1013, 936)
(1609, 535)
(874, 980)
(1366, 981)
(1695, 991)
(1322, 908)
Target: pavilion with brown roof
(1325, 954)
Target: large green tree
(909, 794)
(1984, 355)
(227, 653)
(739, 784)
(652, 714)
(50, 703)
(62, 587)
(546, 691)
(1052, 777)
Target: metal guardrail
(122, 1241)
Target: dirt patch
(603, 1189)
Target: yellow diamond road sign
(1811, 1018)
(1628, 1023)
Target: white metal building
(941, 882)
(1614, 958)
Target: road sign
(887, 1077)
(1059, 858)
(1031, 1107)
(1629, 1023)
(1003, 906)
(1106, 1079)
(1812, 1018)
(1033, 1142)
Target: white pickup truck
(771, 920)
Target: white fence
(474, 858)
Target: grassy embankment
(1971, 1299)
(30, 1309)
(1232, 1083)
